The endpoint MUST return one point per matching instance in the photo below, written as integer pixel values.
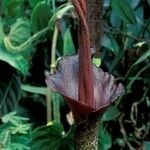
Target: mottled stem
(86, 134)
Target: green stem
(20, 48)
(52, 66)
(56, 107)
(60, 12)
(53, 52)
(48, 107)
(59, 15)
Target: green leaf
(68, 48)
(97, 61)
(12, 8)
(20, 31)
(124, 11)
(15, 136)
(105, 141)
(134, 3)
(115, 19)
(15, 60)
(110, 43)
(139, 13)
(6, 118)
(16, 121)
(143, 57)
(34, 89)
(146, 145)
(111, 114)
(40, 16)
(51, 137)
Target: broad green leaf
(111, 114)
(68, 48)
(20, 31)
(40, 16)
(17, 57)
(143, 57)
(15, 60)
(105, 141)
(51, 137)
(146, 145)
(15, 41)
(124, 11)
(110, 43)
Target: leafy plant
(15, 133)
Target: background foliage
(34, 34)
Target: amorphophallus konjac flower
(88, 90)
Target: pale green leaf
(97, 61)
